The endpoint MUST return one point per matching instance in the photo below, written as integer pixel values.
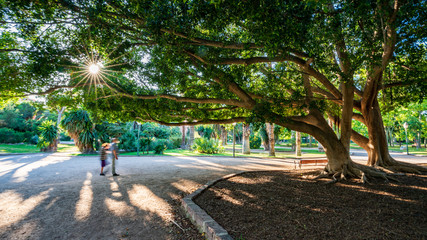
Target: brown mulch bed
(290, 205)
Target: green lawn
(28, 148)
(421, 151)
(281, 151)
(179, 152)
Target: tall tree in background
(246, 149)
(271, 140)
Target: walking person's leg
(113, 166)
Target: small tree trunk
(58, 121)
(310, 141)
(223, 135)
(298, 144)
(293, 140)
(183, 137)
(191, 141)
(418, 140)
(270, 132)
(245, 143)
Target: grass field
(282, 151)
(28, 148)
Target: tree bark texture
(224, 134)
(270, 132)
(377, 147)
(245, 143)
(183, 137)
(298, 144)
(191, 140)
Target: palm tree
(48, 137)
(80, 128)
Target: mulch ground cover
(291, 205)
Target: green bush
(34, 139)
(175, 142)
(144, 144)
(64, 137)
(8, 135)
(128, 141)
(254, 142)
(209, 146)
(159, 146)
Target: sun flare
(94, 68)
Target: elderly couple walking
(113, 148)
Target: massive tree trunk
(245, 143)
(339, 164)
(376, 145)
(298, 144)
(270, 133)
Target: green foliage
(209, 146)
(144, 144)
(48, 134)
(159, 146)
(87, 137)
(254, 141)
(34, 140)
(128, 141)
(76, 121)
(175, 142)
(8, 135)
(205, 131)
(49, 131)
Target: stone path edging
(202, 220)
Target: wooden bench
(309, 161)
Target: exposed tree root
(398, 166)
(358, 171)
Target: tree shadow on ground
(284, 205)
(80, 204)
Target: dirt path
(59, 196)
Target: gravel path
(58, 196)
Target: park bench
(300, 162)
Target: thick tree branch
(400, 84)
(198, 122)
(13, 50)
(231, 102)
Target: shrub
(128, 141)
(159, 146)
(254, 142)
(64, 137)
(34, 139)
(175, 142)
(8, 135)
(209, 146)
(144, 144)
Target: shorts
(103, 163)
